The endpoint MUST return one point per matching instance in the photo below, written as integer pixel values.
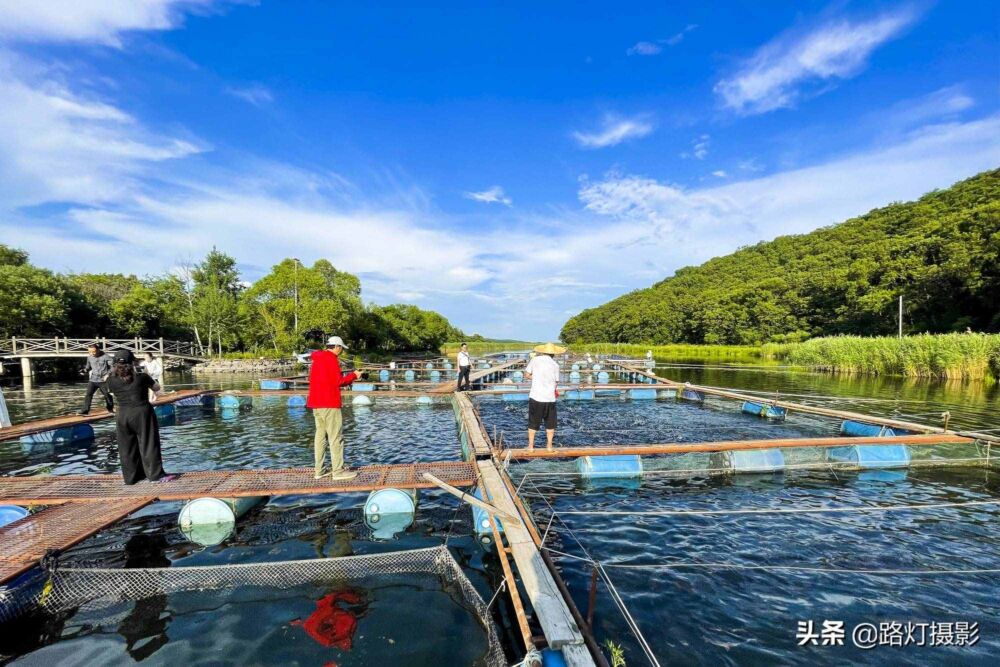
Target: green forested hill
(942, 253)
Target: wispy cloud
(645, 48)
(614, 130)
(719, 173)
(493, 195)
(255, 94)
(677, 38)
(100, 21)
(944, 103)
(780, 72)
(699, 148)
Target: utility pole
(296, 273)
(900, 315)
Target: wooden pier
(57, 489)
(476, 376)
(65, 421)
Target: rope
(803, 510)
(798, 568)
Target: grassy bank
(486, 347)
(954, 356)
(678, 351)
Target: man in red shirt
(325, 381)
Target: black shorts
(539, 413)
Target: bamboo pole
(472, 500)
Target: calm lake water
(689, 615)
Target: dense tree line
(211, 304)
(941, 253)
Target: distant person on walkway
(325, 381)
(543, 371)
(464, 368)
(97, 370)
(649, 355)
(154, 369)
(137, 432)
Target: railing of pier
(62, 346)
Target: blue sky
(506, 165)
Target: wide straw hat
(549, 348)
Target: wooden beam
(730, 446)
(472, 500)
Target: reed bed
(966, 356)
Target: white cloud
(677, 38)
(59, 145)
(775, 75)
(945, 102)
(719, 173)
(614, 130)
(100, 21)
(493, 195)
(254, 94)
(655, 48)
(699, 148)
(644, 49)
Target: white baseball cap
(334, 341)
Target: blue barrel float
(362, 386)
(234, 402)
(384, 375)
(435, 376)
(579, 395)
(448, 366)
(666, 393)
(603, 377)
(575, 367)
(424, 400)
(574, 377)
(689, 394)
(409, 376)
(596, 367)
(390, 511)
(515, 396)
(748, 461)
(362, 401)
(57, 436)
(209, 521)
(165, 414)
(481, 521)
(296, 401)
(642, 394)
(11, 513)
(273, 384)
(765, 410)
(870, 456)
(610, 466)
(517, 376)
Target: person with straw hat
(543, 371)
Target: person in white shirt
(464, 368)
(543, 371)
(154, 369)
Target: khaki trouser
(329, 426)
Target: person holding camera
(97, 370)
(325, 381)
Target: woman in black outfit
(138, 433)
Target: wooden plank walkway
(476, 376)
(470, 424)
(63, 421)
(731, 446)
(24, 542)
(55, 489)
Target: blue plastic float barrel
(870, 456)
(384, 375)
(435, 376)
(579, 395)
(409, 376)
(616, 465)
(448, 366)
(361, 401)
(596, 367)
(428, 365)
(390, 511)
(362, 386)
(273, 384)
(574, 377)
(749, 461)
(209, 521)
(165, 412)
(642, 394)
(424, 400)
(575, 367)
(59, 435)
(603, 377)
(481, 521)
(296, 401)
(666, 393)
(11, 513)
(764, 410)
(692, 395)
(515, 397)
(517, 376)
(860, 429)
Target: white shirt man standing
(543, 371)
(464, 368)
